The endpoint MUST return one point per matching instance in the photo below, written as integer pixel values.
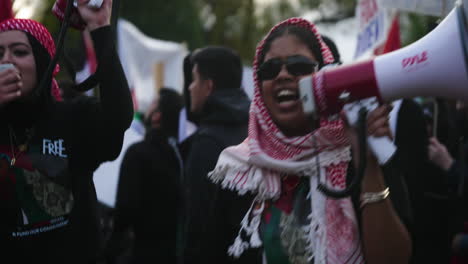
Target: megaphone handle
(382, 147)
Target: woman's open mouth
(287, 97)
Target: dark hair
(170, 104)
(221, 65)
(188, 66)
(333, 48)
(303, 34)
(42, 60)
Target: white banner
(428, 7)
(149, 63)
(30, 9)
(374, 22)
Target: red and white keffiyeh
(258, 163)
(42, 35)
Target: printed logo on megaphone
(415, 62)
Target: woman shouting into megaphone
(286, 157)
(50, 148)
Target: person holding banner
(286, 155)
(49, 148)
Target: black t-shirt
(48, 200)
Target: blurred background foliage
(415, 26)
(238, 24)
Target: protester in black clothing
(49, 149)
(221, 109)
(428, 211)
(185, 119)
(448, 155)
(429, 152)
(147, 191)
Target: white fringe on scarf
(231, 173)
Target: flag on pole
(6, 11)
(393, 41)
(372, 23)
(379, 29)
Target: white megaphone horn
(434, 66)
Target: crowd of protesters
(245, 187)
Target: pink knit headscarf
(42, 35)
(258, 163)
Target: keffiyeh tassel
(238, 247)
(250, 226)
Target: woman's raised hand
(95, 17)
(378, 122)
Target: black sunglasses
(296, 65)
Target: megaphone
(434, 66)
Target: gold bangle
(374, 197)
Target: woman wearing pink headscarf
(286, 155)
(49, 148)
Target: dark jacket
(426, 185)
(147, 198)
(214, 214)
(48, 202)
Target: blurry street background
(153, 36)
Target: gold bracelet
(374, 197)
